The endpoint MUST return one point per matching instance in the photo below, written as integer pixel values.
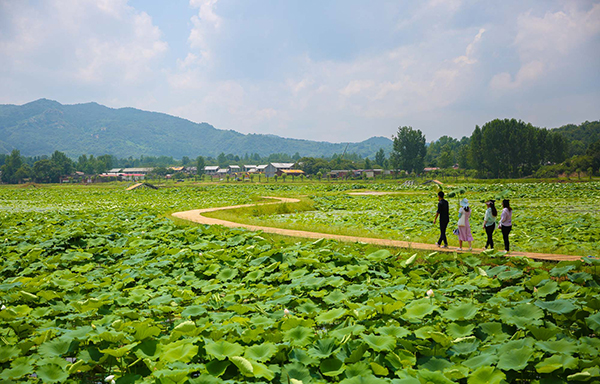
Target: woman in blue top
(489, 222)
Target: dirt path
(195, 215)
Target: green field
(98, 282)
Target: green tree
(200, 164)
(42, 171)
(24, 172)
(593, 152)
(446, 160)
(368, 164)
(409, 145)
(222, 160)
(62, 164)
(380, 158)
(12, 163)
(185, 160)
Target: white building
(211, 170)
(275, 168)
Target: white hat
(464, 202)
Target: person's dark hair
(467, 209)
(441, 194)
(506, 204)
(494, 210)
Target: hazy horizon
(336, 72)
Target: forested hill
(580, 136)
(43, 126)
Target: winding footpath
(196, 216)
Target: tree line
(505, 148)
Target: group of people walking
(490, 221)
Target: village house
(276, 168)
(211, 170)
(222, 172)
(261, 168)
(136, 171)
(292, 172)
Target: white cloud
(547, 44)
(205, 24)
(526, 75)
(356, 87)
(556, 34)
(101, 42)
(468, 58)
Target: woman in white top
(505, 224)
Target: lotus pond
(97, 286)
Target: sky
(335, 70)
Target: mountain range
(43, 126)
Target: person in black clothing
(443, 212)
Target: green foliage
(511, 148)
(409, 150)
(94, 283)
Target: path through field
(196, 216)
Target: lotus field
(98, 285)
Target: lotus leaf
(186, 327)
(170, 375)
(217, 367)
(366, 379)
(19, 368)
(559, 306)
(456, 330)
(206, 379)
(465, 348)
(298, 336)
(401, 359)
(392, 330)
(482, 360)
(510, 274)
(593, 321)
(243, 365)
(261, 370)
(486, 375)
(331, 315)
(379, 370)
(118, 352)
(522, 315)
(54, 348)
(585, 375)
(464, 311)
(563, 346)
(516, 359)
(9, 352)
(379, 343)
(547, 289)
(418, 309)
(433, 377)
(335, 297)
(332, 367)
(182, 350)
(433, 364)
(555, 362)
(322, 348)
(52, 373)
(560, 271)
